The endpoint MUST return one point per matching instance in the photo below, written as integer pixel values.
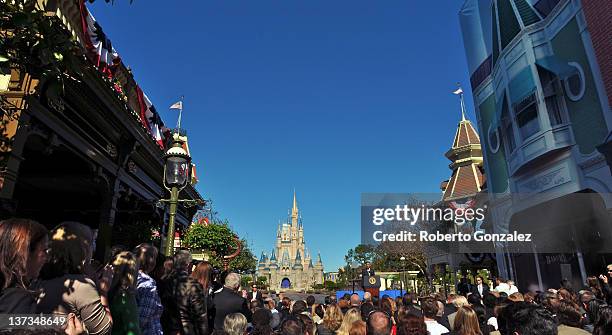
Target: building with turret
(290, 265)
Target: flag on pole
(458, 91)
(177, 105)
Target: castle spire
(294, 211)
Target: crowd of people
(139, 291)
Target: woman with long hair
(358, 328)
(466, 322)
(65, 288)
(23, 252)
(122, 294)
(352, 315)
(332, 319)
(203, 274)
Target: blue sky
(332, 98)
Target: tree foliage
(219, 240)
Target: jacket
(185, 306)
(227, 302)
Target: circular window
(493, 138)
(574, 83)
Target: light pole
(177, 172)
(403, 259)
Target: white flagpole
(178, 124)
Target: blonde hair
(460, 301)
(125, 272)
(466, 322)
(332, 317)
(351, 316)
(235, 324)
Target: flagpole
(178, 124)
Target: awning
(554, 65)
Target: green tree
(219, 240)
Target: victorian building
(290, 265)
(540, 74)
(80, 140)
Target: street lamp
(177, 172)
(403, 259)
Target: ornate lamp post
(177, 172)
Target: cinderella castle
(290, 265)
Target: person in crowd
(299, 307)
(317, 313)
(594, 286)
(521, 318)
(333, 299)
(466, 322)
(365, 310)
(605, 285)
(349, 317)
(569, 318)
(358, 328)
(309, 327)
(511, 287)
(255, 294)
(411, 324)
(502, 285)
(235, 324)
(591, 308)
(183, 299)
(367, 297)
(449, 308)
(122, 294)
(255, 305)
(261, 322)
(474, 299)
(481, 313)
(440, 315)
(459, 302)
(275, 315)
(203, 274)
(310, 301)
(378, 324)
(147, 297)
(430, 309)
(331, 320)
(481, 288)
(603, 325)
(64, 288)
(408, 301)
(24, 245)
(285, 308)
(529, 297)
(490, 301)
(344, 305)
(355, 300)
(565, 294)
(292, 326)
(464, 287)
(387, 305)
(228, 301)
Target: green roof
(528, 15)
(508, 23)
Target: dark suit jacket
(364, 272)
(257, 296)
(228, 302)
(485, 289)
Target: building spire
(294, 211)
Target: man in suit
(480, 287)
(228, 301)
(367, 270)
(255, 294)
